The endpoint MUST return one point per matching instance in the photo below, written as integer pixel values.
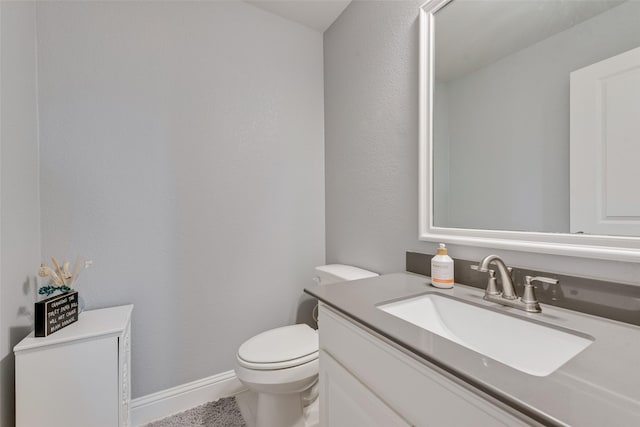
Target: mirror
(530, 137)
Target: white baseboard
(164, 403)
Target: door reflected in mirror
(536, 116)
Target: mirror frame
(616, 248)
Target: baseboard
(164, 403)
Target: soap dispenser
(442, 269)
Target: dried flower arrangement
(61, 277)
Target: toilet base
(312, 414)
(280, 410)
(282, 393)
(248, 404)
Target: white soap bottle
(442, 269)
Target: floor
(238, 411)
(221, 413)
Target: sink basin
(527, 346)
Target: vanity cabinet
(79, 376)
(366, 380)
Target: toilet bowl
(281, 365)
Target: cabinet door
(72, 385)
(347, 402)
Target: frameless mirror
(530, 125)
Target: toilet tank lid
(346, 272)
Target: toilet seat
(279, 348)
(278, 365)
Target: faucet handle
(477, 268)
(492, 286)
(549, 280)
(529, 296)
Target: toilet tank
(334, 273)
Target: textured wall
(371, 148)
(371, 134)
(19, 202)
(182, 150)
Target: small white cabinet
(367, 381)
(79, 376)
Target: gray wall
(182, 150)
(371, 116)
(511, 119)
(371, 134)
(19, 203)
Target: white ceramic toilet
(281, 365)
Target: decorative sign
(53, 314)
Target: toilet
(281, 365)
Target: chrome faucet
(508, 296)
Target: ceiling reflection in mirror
(507, 127)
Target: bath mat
(221, 413)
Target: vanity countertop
(600, 386)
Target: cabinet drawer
(423, 396)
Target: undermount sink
(527, 346)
